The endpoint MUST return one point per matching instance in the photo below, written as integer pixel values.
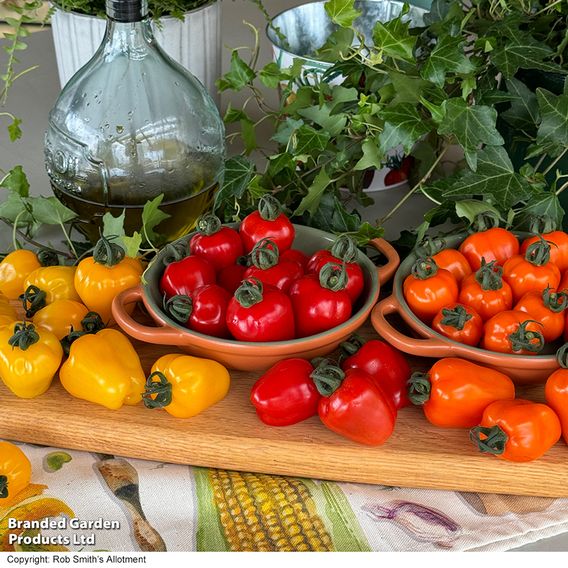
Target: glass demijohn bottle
(130, 125)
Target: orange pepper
(556, 390)
(455, 392)
(517, 430)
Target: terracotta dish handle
(161, 335)
(430, 347)
(386, 272)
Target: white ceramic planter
(194, 42)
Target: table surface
(34, 94)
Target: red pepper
(343, 250)
(320, 305)
(297, 256)
(268, 221)
(221, 246)
(231, 277)
(269, 269)
(384, 364)
(260, 313)
(286, 394)
(183, 274)
(353, 406)
(205, 311)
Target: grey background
(34, 94)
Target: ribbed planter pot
(194, 42)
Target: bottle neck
(132, 39)
(126, 11)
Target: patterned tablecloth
(151, 506)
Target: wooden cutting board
(230, 436)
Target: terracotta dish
(252, 356)
(521, 368)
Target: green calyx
(489, 275)
(179, 307)
(456, 317)
(344, 248)
(269, 207)
(333, 276)
(91, 324)
(4, 493)
(174, 252)
(562, 356)
(555, 301)
(431, 246)
(418, 388)
(264, 254)
(424, 268)
(47, 258)
(158, 391)
(485, 221)
(108, 253)
(33, 300)
(25, 335)
(489, 440)
(525, 340)
(539, 252)
(351, 346)
(249, 292)
(209, 224)
(327, 377)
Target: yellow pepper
(47, 285)
(15, 471)
(185, 386)
(29, 358)
(61, 317)
(14, 269)
(101, 277)
(103, 368)
(7, 312)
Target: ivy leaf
(51, 211)
(308, 140)
(495, 181)
(312, 199)
(342, 12)
(406, 88)
(519, 50)
(470, 209)
(16, 181)
(14, 130)
(152, 217)
(132, 244)
(447, 57)
(238, 77)
(333, 124)
(541, 205)
(472, 126)
(234, 115)
(439, 9)
(337, 44)
(280, 162)
(552, 135)
(16, 207)
(114, 226)
(403, 126)
(331, 216)
(271, 75)
(366, 233)
(523, 113)
(238, 174)
(371, 158)
(393, 39)
(286, 129)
